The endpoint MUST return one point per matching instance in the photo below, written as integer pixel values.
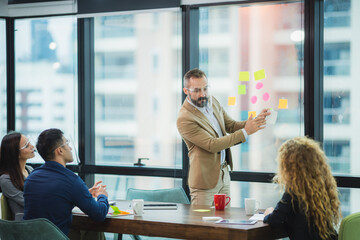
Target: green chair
(6, 213)
(171, 195)
(39, 229)
(349, 227)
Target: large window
(236, 39)
(138, 88)
(341, 95)
(3, 94)
(46, 76)
(117, 186)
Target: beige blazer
(204, 144)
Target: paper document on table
(257, 216)
(113, 212)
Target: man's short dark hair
(193, 73)
(48, 141)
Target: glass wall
(259, 48)
(341, 95)
(46, 76)
(138, 89)
(3, 94)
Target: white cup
(138, 206)
(251, 205)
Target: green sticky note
(258, 75)
(242, 89)
(244, 76)
(116, 209)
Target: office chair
(6, 212)
(349, 227)
(40, 229)
(171, 195)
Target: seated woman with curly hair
(309, 208)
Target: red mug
(219, 201)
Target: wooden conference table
(183, 223)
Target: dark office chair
(171, 195)
(39, 229)
(349, 227)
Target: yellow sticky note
(231, 101)
(242, 89)
(283, 104)
(244, 76)
(201, 210)
(258, 75)
(252, 113)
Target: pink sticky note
(253, 99)
(266, 96)
(259, 85)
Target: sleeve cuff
(245, 133)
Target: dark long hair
(9, 160)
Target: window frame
(313, 92)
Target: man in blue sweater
(52, 190)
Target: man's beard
(200, 102)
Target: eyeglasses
(66, 143)
(198, 90)
(25, 146)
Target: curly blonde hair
(304, 174)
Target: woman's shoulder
(4, 178)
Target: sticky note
(253, 114)
(253, 99)
(116, 209)
(242, 89)
(266, 96)
(231, 101)
(283, 104)
(201, 210)
(244, 76)
(258, 75)
(259, 85)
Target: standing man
(209, 132)
(52, 190)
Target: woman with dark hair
(310, 207)
(15, 151)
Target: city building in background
(138, 86)
(46, 77)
